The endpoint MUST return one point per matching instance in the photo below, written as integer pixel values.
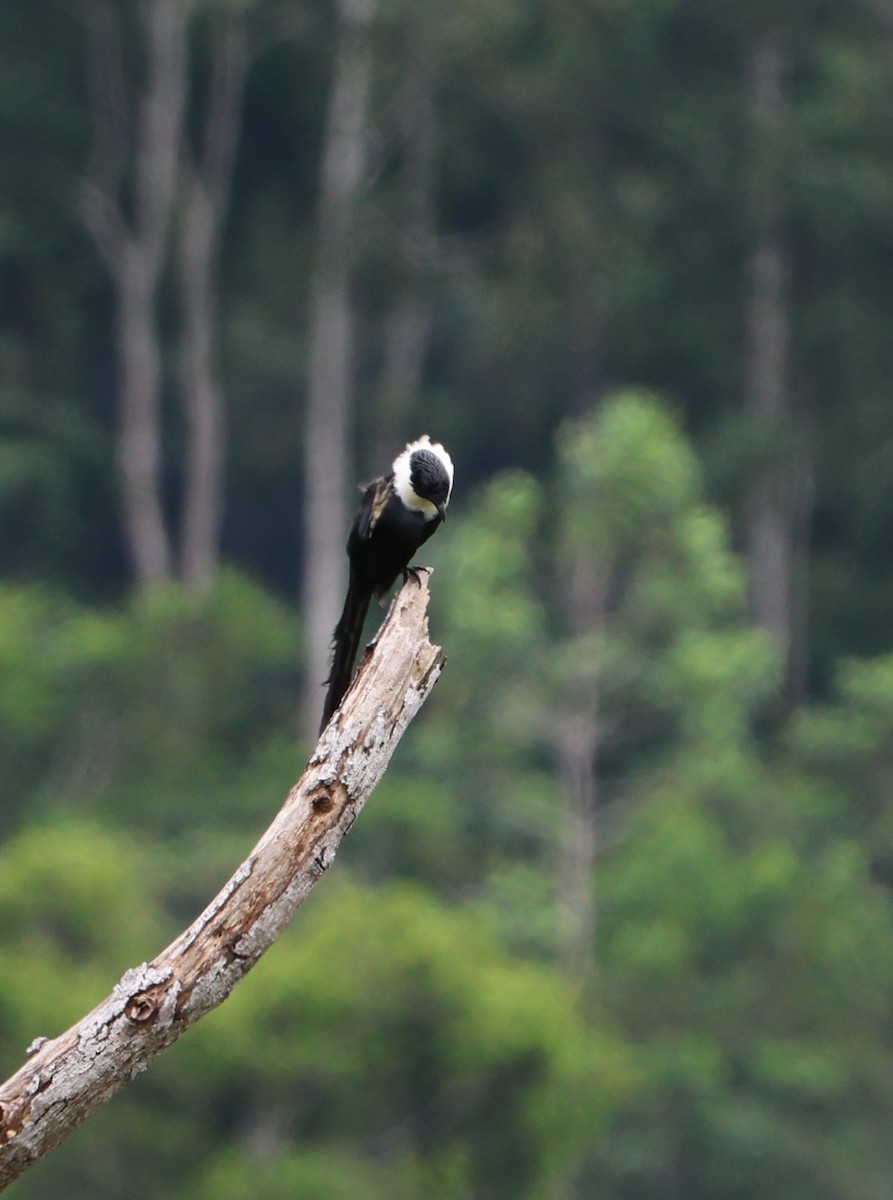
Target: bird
(398, 513)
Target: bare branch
(67, 1078)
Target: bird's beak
(441, 508)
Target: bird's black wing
(375, 498)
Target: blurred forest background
(618, 924)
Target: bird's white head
(423, 477)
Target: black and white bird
(398, 513)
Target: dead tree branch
(66, 1079)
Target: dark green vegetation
(618, 923)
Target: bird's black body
(397, 515)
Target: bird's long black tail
(345, 643)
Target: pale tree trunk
(202, 398)
(139, 420)
(329, 489)
(408, 325)
(576, 739)
(133, 241)
(575, 744)
(206, 191)
(778, 499)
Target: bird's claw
(414, 573)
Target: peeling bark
(67, 1078)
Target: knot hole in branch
(143, 1007)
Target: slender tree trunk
(328, 489)
(575, 747)
(776, 514)
(406, 335)
(206, 192)
(139, 421)
(408, 325)
(202, 399)
(137, 141)
(576, 741)
(159, 131)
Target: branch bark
(65, 1080)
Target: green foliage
(62, 948)
(654, 600)
(628, 473)
(393, 1021)
(101, 702)
(766, 966)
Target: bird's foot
(413, 573)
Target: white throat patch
(402, 482)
